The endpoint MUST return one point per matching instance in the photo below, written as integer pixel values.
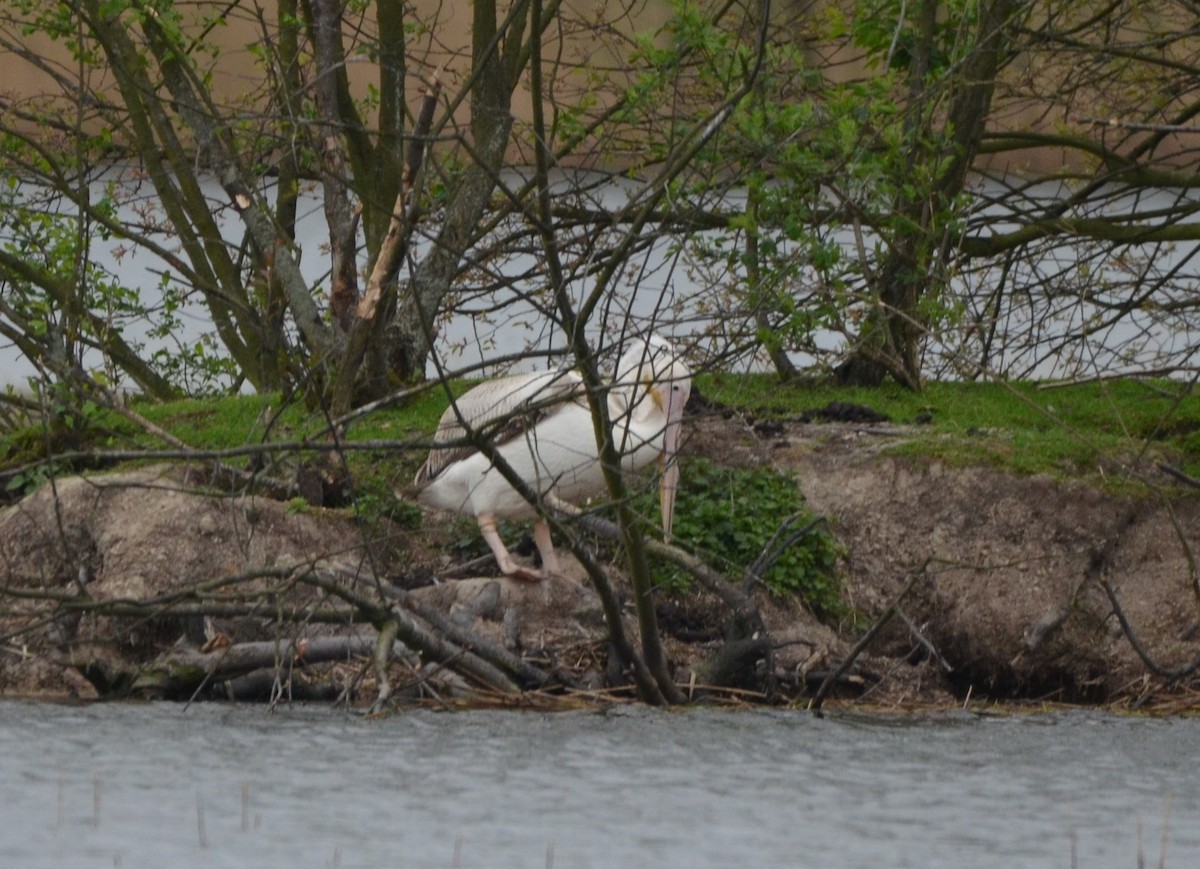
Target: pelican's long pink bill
(677, 396)
(667, 488)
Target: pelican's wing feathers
(501, 409)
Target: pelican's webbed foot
(508, 565)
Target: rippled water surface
(163, 785)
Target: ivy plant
(729, 516)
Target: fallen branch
(738, 601)
(923, 641)
(444, 643)
(1170, 675)
(528, 675)
(747, 618)
(1172, 471)
(419, 637)
(181, 671)
(867, 638)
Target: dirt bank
(120, 584)
(1018, 574)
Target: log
(183, 671)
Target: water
(1066, 332)
(213, 785)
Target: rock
(142, 536)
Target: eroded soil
(1015, 579)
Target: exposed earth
(112, 581)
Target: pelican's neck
(630, 403)
(641, 387)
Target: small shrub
(729, 515)
(373, 503)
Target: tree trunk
(913, 270)
(409, 329)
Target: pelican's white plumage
(542, 427)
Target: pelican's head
(651, 386)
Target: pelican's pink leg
(509, 567)
(541, 537)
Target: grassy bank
(1090, 430)
(1106, 432)
(1007, 556)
